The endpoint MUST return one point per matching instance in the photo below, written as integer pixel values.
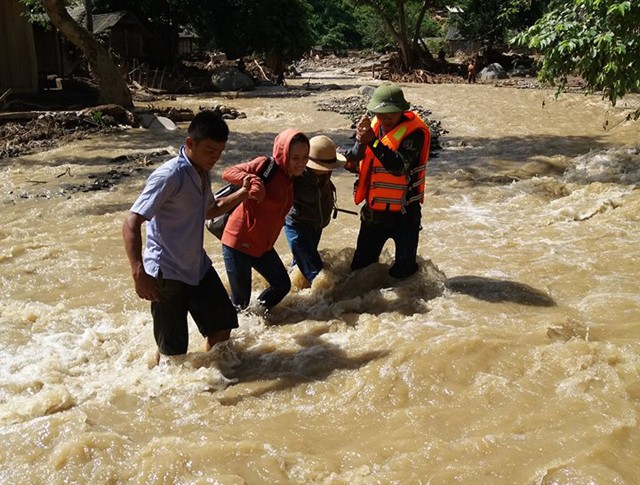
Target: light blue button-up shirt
(174, 205)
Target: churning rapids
(513, 357)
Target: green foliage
(241, 27)
(35, 12)
(374, 34)
(238, 27)
(371, 13)
(334, 25)
(402, 23)
(372, 29)
(430, 28)
(435, 45)
(167, 12)
(489, 21)
(598, 40)
(98, 117)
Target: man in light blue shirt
(175, 272)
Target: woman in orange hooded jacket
(254, 226)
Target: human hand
(256, 189)
(364, 133)
(364, 123)
(351, 166)
(146, 286)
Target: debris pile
(426, 77)
(180, 115)
(70, 181)
(125, 165)
(193, 75)
(23, 133)
(387, 66)
(39, 131)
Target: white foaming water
(618, 165)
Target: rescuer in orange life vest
(390, 156)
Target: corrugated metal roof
(101, 21)
(187, 33)
(105, 21)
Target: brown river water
(513, 357)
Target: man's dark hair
(208, 125)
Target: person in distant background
(313, 203)
(175, 273)
(390, 156)
(471, 71)
(253, 228)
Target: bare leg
(217, 337)
(157, 357)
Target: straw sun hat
(323, 155)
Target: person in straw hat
(313, 204)
(390, 156)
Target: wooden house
(122, 33)
(18, 65)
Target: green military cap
(388, 98)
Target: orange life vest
(383, 190)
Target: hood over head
(281, 146)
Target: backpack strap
(268, 170)
(217, 224)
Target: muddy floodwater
(512, 357)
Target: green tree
(160, 11)
(598, 40)
(404, 21)
(112, 87)
(334, 24)
(490, 21)
(278, 29)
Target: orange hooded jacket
(253, 227)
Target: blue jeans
(269, 265)
(303, 241)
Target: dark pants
(269, 265)
(208, 304)
(303, 241)
(376, 227)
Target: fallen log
(19, 116)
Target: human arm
(239, 174)
(399, 162)
(356, 153)
(225, 204)
(145, 285)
